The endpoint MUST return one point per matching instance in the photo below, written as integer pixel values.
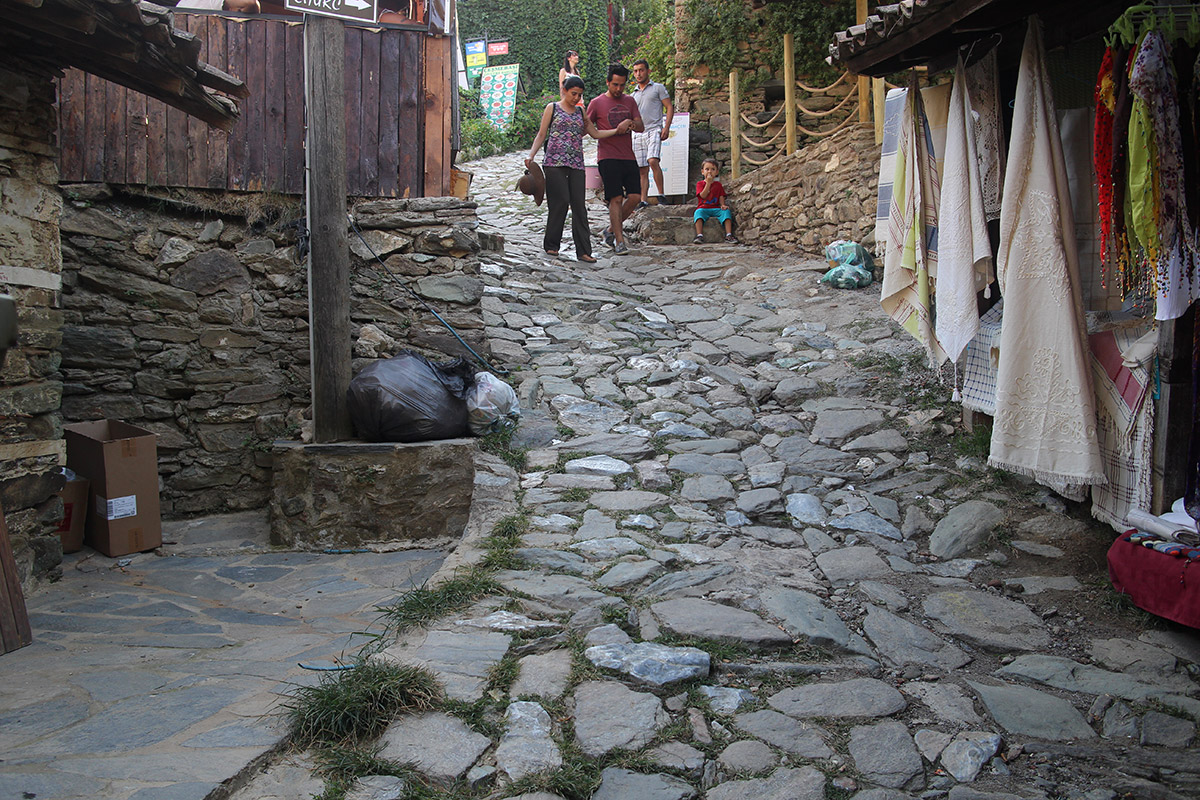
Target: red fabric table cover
(1164, 585)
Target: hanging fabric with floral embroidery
(1158, 206)
(1045, 424)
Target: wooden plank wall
(397, 110)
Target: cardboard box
(121, 461)
(75, 508)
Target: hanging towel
(1045, 423)
(964, 250)
(910, 256)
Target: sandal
(588, 259)
(551, 252)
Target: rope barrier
(767, 143)
(750, 160)
(853, 94)
(748, 121)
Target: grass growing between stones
(575, 494)
(484, 716)
(716, 649)
(342, 766)
(505, 538)
(976, 443)
(422, 605)
(499, 444)
(358, 703)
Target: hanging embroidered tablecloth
(1045, 424)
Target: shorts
(721, 214)
(647, 145)
(620, 176)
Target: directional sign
(354, 10)
(476, 59)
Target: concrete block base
(353, 494)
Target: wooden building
(399, 99)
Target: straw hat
(533, 182)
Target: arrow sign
(354, 10)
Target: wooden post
(14, 619)
(879, 91)
(735, 128)
(789, 94)
(329, 256)
(864, 83)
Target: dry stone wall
(196, 326)
(30, 261)
(822, 192)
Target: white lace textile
(983, 83)
(964, 250)
(1045, 424)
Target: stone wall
(822, 192)
(195, 325)
(30, 262)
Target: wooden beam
(329, 256)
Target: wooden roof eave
(129, 43)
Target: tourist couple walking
(613, 119)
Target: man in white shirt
(654, 104)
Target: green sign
(498, 93)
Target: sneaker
(643, 204)
(730, 238)
(699, 239)
(662, 199)
(609, 238)
(621, 249)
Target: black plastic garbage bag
(409, 398)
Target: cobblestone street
(757, 565)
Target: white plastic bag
(491, 405)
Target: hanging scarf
(1045, 424)
(1156, 178)
(1121, 264)
(910, 257)
(1102, 155)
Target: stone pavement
(755, 565)
(157, 676)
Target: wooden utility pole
(735, 128)
(328, 257)
(864, 83)
(789, 94)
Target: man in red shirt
(618, 166)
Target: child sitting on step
(710, 202)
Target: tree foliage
(713, 29)
(635, 19)
(539, 33)
(812, 24)
(657, 46)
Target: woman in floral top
(562, 129)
